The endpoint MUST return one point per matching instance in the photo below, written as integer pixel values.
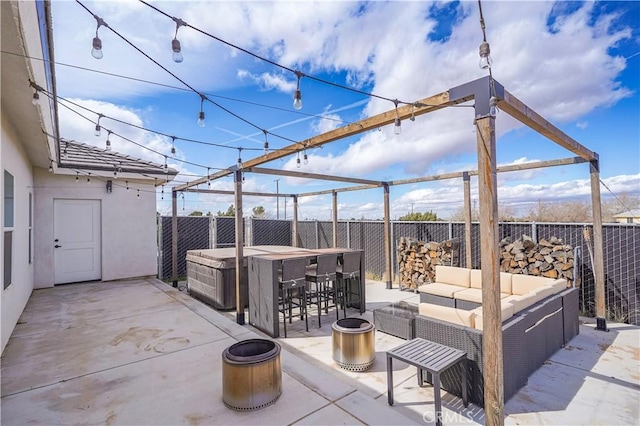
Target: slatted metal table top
(427, 355)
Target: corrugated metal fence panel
(193, 234)
(272, 232)
(307, 234)
(325, 234)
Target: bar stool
(320, 275)
(347, 271)
(291, 284)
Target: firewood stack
(548, 258)
(417, 260)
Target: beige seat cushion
(523, 284)
(452, 275)
(439, 289)
(524, 301)
(506, 311)
(473, 295)
(558, 285)
(475, 280)
(445, 313)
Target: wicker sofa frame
(529, 338)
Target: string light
(493, 106)
(96, 51)
(297, 96)
(77, 176)
(175, 43)
(65, 154)
(89, 178)
(138, 193)
(239, 159)
(298, 160)
(50, 166)
(413, 114)
(201, 121)
(397, 128)
(305, 159)
(98, 131)
(166, 166)
(127, 183)
(115, 172)
(173, 148)
(208, 177)
(36, 98)
(108, 143)
(485, 56)
(162, 193)
(266, 142)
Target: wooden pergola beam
(426, 105)
(313, 176)
(521, 112)
(226, 192)
(331, 191)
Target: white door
(76, 240)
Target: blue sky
(576, 63)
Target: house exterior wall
(14, 298)
(128, 224)
(629, 219)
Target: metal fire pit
(251, 374)
(353, 343)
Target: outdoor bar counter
(211, 273)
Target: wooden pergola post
(295, 220)
(598, 253)
(490, 262)
(174, 238)
(466, 181)
(387, 235)
(237, 178)
(334, 196)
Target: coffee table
(397, 319)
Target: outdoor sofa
(539, 316)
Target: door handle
(57, 246)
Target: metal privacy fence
(621, 247)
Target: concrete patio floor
(142, 352)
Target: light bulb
(239, 163)
(89, 178)
(96, 52)
(397, 129)
(138, 193)
(177, 51)
(201, 121)
(108, 147)
(266, 147)
(493, 108)
(485, 56)
(297, 100)
(77, 178)
(173, 150)
(65, 154)
(98, 130)
(51, 167)
(298, 162)
(36, 98)
(305, 159)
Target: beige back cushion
(445, 313)
(452, 275)
(505, 280)
(523, 284)
(506, 313)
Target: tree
(231, 211)
(195, 213)
(258, 212)
(417, 216)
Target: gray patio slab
(129, 362)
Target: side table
(431, 357)
(397, 319)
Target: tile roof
(80, 156)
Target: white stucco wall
(128, 224)
(15, 297)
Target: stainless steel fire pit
(353, 343)
(251, 374)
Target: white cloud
(269, 81)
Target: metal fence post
(348, 234)
(534, 231)
(317, 234)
